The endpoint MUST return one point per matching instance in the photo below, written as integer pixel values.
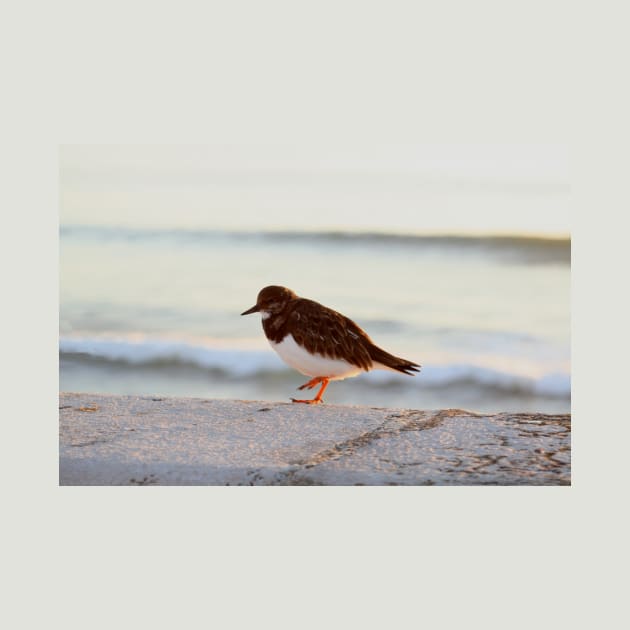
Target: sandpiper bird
(319, 342)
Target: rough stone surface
(132, 440)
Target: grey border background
(309, 557)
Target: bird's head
(271, 300)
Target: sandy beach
(144, 440)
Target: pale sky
(428, 188)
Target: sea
(155, 310)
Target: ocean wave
(162, 352)
(530, 248)
(232, 363)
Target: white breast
(313, 364)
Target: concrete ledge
(143, 440)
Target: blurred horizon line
(332, 231)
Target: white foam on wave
(552, 384)
(140, 350)
(248, 361)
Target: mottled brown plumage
(321, 330)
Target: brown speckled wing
(321, 330)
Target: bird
(319, 342)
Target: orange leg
(314, 381)
(318, 399)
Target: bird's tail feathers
(378, 355)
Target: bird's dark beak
(253, 309)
